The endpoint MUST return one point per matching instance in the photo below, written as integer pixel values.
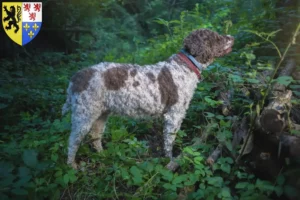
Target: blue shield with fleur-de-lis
(22, 21)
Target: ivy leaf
(30, 158)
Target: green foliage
(34, 136)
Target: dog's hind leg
(80, 128)
(97, 131)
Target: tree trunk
(274, 117)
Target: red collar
(190, 65)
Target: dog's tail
(66, 107)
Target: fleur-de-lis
(35, 26)
(26, 27)
(31, 34)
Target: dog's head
(205, 45)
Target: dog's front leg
(172, 124)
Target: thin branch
(279, 63)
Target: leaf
(58, 174)
(147, 166)
(252, 80)
(272, 34)
(169, 186)
(295, 86)
(167, 175)
(284, 80)
(215, 181)
(66, 178)
(5, 168)
(212, 103)
(296, 93)
(161, 21)
(30, 158)
(236, 78)
(198, 159)
(225, 192)
(228, 145)
(228, 160)
(124, 174)
(118, 134)
(241, 185)
(226, 168)
(137, 175)
(188, 150)
(24, 172)
(179, 179)
(54, 157)
(264, 185)
(175, 22)
(250, 56)
(72, 177)
(209, 114)
(280, 180)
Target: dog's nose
(230, 37)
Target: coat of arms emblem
(22, 21)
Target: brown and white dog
(164, 89)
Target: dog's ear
(198, 45)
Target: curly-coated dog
(163, 90)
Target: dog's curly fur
(161, 90)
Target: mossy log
(274, 117)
